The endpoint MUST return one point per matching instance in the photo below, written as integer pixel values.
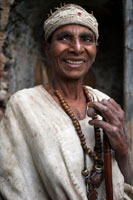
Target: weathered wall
(4, 78)
(21, 47)
(128, 66)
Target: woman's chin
(74, 75)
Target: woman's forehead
(73, 29)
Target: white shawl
(40, 153)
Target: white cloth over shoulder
(41, 157)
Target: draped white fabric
(40, 153)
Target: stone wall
(128, 66)
(18, 49)
(4, 73)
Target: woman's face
(72, 51)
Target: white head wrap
(70, 14)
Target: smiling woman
(72, 51)
(51, 144)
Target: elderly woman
(47, 148)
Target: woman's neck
(70, 89)
(72, 92)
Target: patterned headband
(70, 14)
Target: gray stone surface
(21, 48)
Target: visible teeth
(74, 62)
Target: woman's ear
(47, 49)
(97, 46)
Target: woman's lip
(74, 62)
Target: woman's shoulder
(26, 93)
(24, 101)
(97, 94)
(24, 98)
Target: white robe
(41, 157)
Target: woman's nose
(77, 46)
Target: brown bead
(82, 139)
(98, 133)
(78, 128)
(98, 137)
(73, 118)
(84, 147)
(57, 91)
(61, 98)
(62, 101)
(76, 123)
(65, 107)
(83, 142)
(79, 132)
(81, 135)
(97, 129)
(98, 142)
(88, 150)
(92, 154)
(96, 158)
(59, 95)
(64, 104)
(71, 114)
(99, 151)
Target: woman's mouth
(75, 63)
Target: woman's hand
(114, 126)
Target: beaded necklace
(94, 177)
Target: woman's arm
(126, 166)
(114, 126)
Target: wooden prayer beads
(93, 178)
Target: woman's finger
(105, 111)
(108, 128)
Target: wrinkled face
(72, 51)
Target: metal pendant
(91, 192)
(97, 176)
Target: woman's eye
(63, 38)
(87, 39)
